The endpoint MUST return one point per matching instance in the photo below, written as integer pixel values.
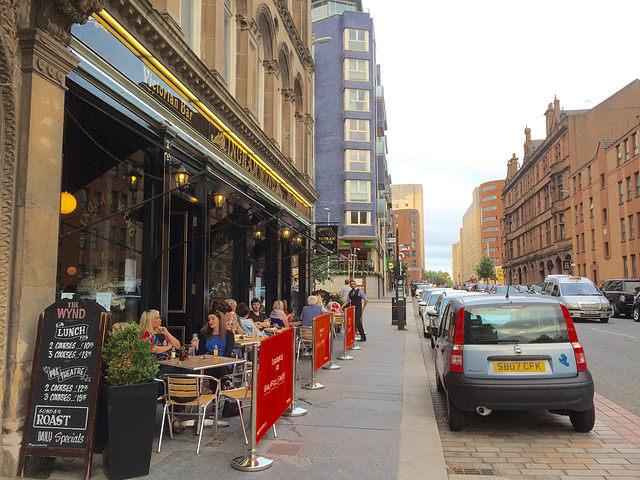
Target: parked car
(581, 296)
(520, 353)
(429, 298)
(535, 289)
(502, 289)
(636, 309)
(434, 314)
(419, 289)
(621, 293)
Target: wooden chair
(185, 390)
(242, 396)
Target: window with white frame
(356, 69)
(357, 160)
(355, 39)
(356, 99)
(356, 130)
(358, 191)
(357, 217)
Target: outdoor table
(200, 363)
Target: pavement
(380, 417)
(374, 419)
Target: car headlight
(572, 305)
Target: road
(613, 357)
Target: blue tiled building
(350, 123)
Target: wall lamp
(218, 200)
(133, 180)
(286, 234)
(298, 240)
(258, 234)
(180, 175)
(68, 203)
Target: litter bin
(394, 311)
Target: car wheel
(636, 314)
(439, 386)
(433, 343)
(583, 421)
(424, 330)
(455, 417)
(604, 320)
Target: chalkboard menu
(64, 380)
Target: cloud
(463, 79)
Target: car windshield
(631, 287)
(514, 322)
(433, 299)
(573, 289)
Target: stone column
(44, 64)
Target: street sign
(391, 240)
(390, 266)
(405, 248)
(401, 256)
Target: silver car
(519, 353)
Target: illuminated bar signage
(117, 49)
(356, 243)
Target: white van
(580, 295)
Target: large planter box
(131, 414)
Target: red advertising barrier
(321, 347)
(349, 327)
(275, 384)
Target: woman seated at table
(161, 343)
(277, 317)
(334, 306)
(310, 311)
(217, 336)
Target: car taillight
(458, 343)
(581, 359)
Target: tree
(437, 278)
(485, 270)
(320, 267)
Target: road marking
(613, 333)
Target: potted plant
(131, 400)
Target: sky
(462, 79)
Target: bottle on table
(173, 353)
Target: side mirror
(422, 304)
(432, 311)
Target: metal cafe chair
(242, 396)
(185, 390)
(305, 340)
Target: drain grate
(470, 471)
(284, 449)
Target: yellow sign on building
(499, 274)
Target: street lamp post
(328, 210)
